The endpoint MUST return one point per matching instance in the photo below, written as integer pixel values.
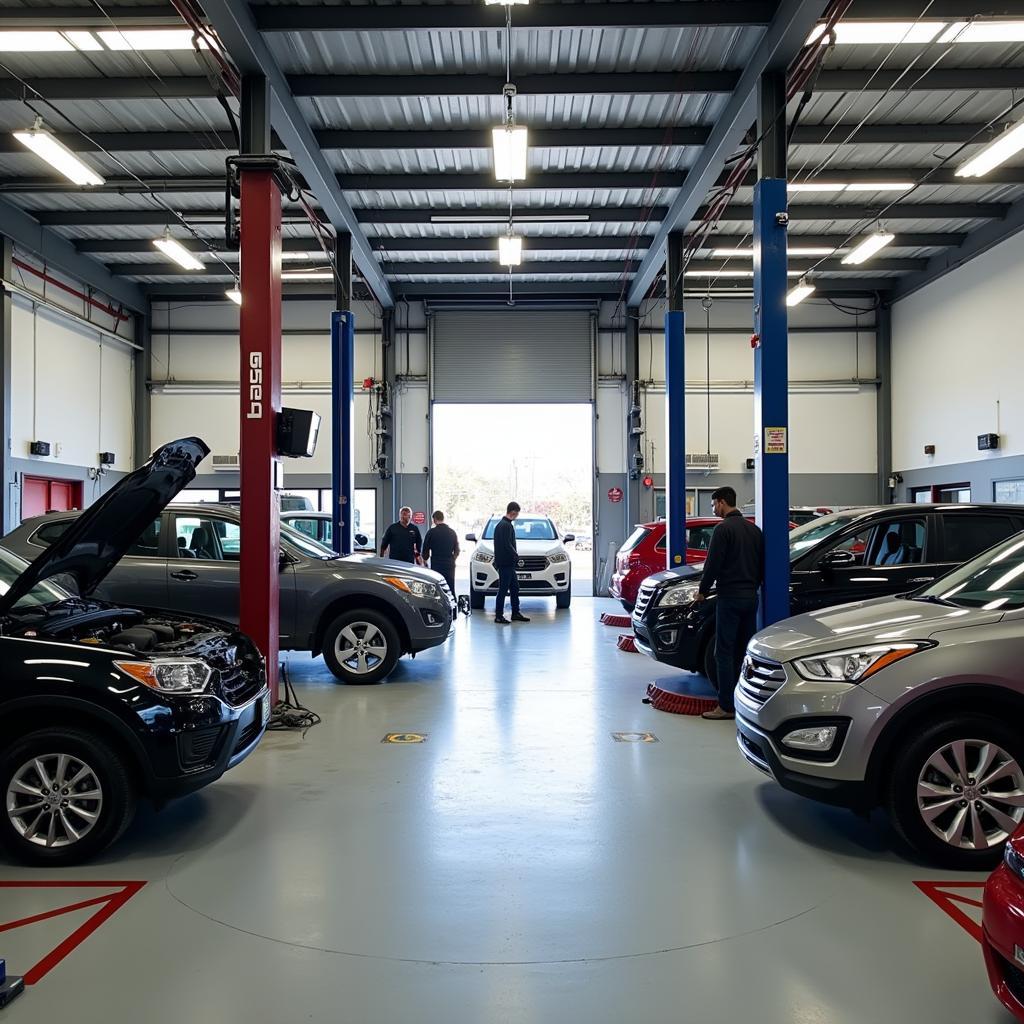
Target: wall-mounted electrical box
(107, 458)
(39, 448)
(929, 449)
(988, 442)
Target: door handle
(186, 575)
(922, 579)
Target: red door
(40, 495)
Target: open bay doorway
(542, 456)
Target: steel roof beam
(237, 30)
(92, 16)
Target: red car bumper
(1003, 937)
(624, 586)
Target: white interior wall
(957, 359)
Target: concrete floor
(518, 866)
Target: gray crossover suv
(915, 703)
(361, 614)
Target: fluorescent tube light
(510, 147)
(151, 39)
(881, 32)
(815, 186)
(476, 218)
(796, 250)
(84, 41)
(234, 295)
(510, 250)
(995, 153)
(799, 293)
(307, 275)
(984, 32)
(868, 248)
(296, 256)
(719, 273)
(58, 156)
(881, 186)
(34, 42)
(174, 250)
(504, 3)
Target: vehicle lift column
(343, 332)
(675, 403)
(771, 351)
(260, 349)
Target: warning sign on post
(419, 518)
(775, 440)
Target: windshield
(995, 579)
(813, 533)
(634, 539)
(42, 594)
(309, 547)
(526, 528)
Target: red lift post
(260, 351)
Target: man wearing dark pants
(506, 556)
(441, 546)
(735, 563)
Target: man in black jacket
(735, 563)
(402, 540)
(505, 558)
(441, 546)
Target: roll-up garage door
(512, 356)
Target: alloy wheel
(361, 647)
(970, 794)
(54, 800)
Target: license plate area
(524, 575)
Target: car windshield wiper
(935, 599)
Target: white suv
(544, 568)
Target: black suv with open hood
(101, 705)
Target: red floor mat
(626, 642)
(678, 702)
(610, 619)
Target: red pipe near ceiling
(117, 314)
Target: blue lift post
(675, 406)
(343, 332)
(771, 355)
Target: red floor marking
(947, 902)
(109, 905)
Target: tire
(476, 599)
(708, 665)
(564, 600)
(371, 663)
(49, 839)
(917, 761)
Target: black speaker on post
(297, 431)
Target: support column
(675, 411)
(260, 349)
(7, 476)
(142, 368)
(771, 356)
(343, 325)
(389, 371)
(634, 440)
(883, 399)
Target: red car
(644, 554)
(1002, 928)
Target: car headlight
(179, 675)
(418, 588)
(682, 593)
(855, 665)
(558, 556)
(482, 556)
(1014, 860)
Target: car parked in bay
(834, 559)
(1002, 927)
(361, 614)
(103, 704)
(320, 527)
(914, 703)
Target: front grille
(1014, 978)
(531, 563)
(447, 594)
(240, 683)
(760, 678)
(197, 748)
(643, 599)
(249, 732)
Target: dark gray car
(361, 614)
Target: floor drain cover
(608, 619)
(626, 642)
(688, 695)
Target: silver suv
(914, 703)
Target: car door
(202, 571)
(140, 578)
(968, 533)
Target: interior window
(47, 534)
(208, 538)
(148, 545)
(899, 543)
(967, 536)
(856, 544)
(699, 537)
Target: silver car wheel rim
(54, 800)
(361, 647)
(970, 794)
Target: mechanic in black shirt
(441, 546)
(505, 558)
(735, 563)
(402, 541)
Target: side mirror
(471, 537)
(838, 560)
(362, 540)
(568, 537)
(283, 560)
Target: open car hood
(101, 536)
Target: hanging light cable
(510, 142)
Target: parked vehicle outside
(544, 567)
(1002, 927)
(834, 559)
(913, 703)
(103, 704)
(362, 614)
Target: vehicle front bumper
(430, 622)
(672, 637)
(555, 579)
(1002, 935)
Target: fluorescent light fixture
(174, 250)
(84, 41)
(995, 153)
(881, 186)
(880, 32)
(799, 293)
(151, 39)
(719, 273)
(984, 32)
(868, 248)
(295, 256)
(307, 275)
(744, 253)
(510, 250)
(796, 250)
(814, 186)
(234, 295)
(34, 42)
(510, 147)
(476, 218)
(57, 155)
(504, 3)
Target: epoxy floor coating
(520, 865)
